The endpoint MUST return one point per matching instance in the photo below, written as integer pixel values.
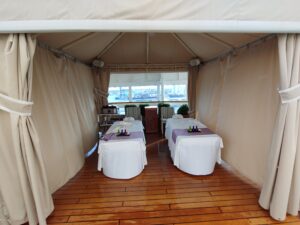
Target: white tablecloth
(131, 126)
(195, 154)
(183, 123)
(123, 159)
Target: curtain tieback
(290, 94)
(101, 93)
(16, 106)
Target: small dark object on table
(123, 133)
(194, 129)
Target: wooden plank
(111, 194)
(213, 204)
(74, 212)
(116, 222)
(88, 206)
(144, 197)
(225, 222)
(235, 192)
(134, 215)
(184, 185)
(194, 218)
(189, 200)
(269, 220)
(57, 219)
(210, 189)
(66, 201)
(240, 208)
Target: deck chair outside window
(166, 113)
(134, 112)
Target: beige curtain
(192, 80)
(237, 97)
(64, 114)
(24, 186)
(81, 87)
(101, 82)
(281, 189)
(208, 94)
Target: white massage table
(123, 157)
(193, 154)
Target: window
(144, 93)
(148, 87)
(118, 94)
(176, 92)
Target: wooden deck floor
(160, 195)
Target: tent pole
(110, 45)
(184, 26)
(77, 41)
(218, 41)
(186, 47)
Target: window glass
(118, 94)
(144, 93)
(175, 92)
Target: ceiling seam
(218, 41)
(76, 41)
(185, 45)
(110, 45)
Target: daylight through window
(151, 88)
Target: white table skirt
(195, 154)
(122, 159)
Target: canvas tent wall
(246, 16)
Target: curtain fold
(81, 84)
(192, 83)
(281, 189)
(237, 98)
(101, 85)
(25, 191)
(64, 114)
(209, 92)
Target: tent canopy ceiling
(146, 48)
